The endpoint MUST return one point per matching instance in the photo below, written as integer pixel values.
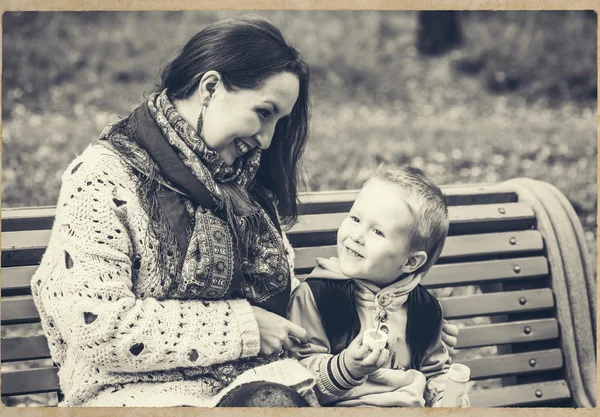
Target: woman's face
(238, 121)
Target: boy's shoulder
(325, 286)
(423, 295)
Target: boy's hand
(449, 334)
(360, 361)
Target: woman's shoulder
(96, 160)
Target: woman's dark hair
(246, 51)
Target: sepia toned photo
(299, 209)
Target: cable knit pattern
(103, 306)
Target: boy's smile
(373, 240)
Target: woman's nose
(265, 136)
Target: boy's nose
(358, 235)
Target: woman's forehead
(280, 90)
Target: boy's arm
(333, 381)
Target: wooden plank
(320, 229)
(30, 381)
(490, 218)
(27, 247)
(16, 280)
(470, 273)
(27, 218)
(505, 333)
(19, 310)
(47, 399)
(456, 247)
(24, 248)
(456, 195)
(39, 218)
(526, 394)
(497, 303)
(515, 364)
(465, 273)
(24, 348)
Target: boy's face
(373, 240)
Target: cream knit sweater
(117, 340)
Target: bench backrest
(492, 279)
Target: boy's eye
(355, 219)
(378, 232)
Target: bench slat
(521, 395)
(25, 348)
(24, 248)
(470, 273)
(320, 229)
(520, 363)
(497, 303)
(19, 310)
(27, 247)
(27, 218)
(474, 336)
(35, 347)
(337, 201)
(17, 278)
(30, 381)
(456, 247)
(505, 333)
(511, 212)
(39, 218)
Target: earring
(200, 123)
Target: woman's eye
(264, 113)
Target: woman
(167, 276)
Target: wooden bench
(496, 278)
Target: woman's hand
(360, 361)
(276, 333)
(449, 334)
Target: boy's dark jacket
(329, 310)
(336, 305)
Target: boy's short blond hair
(428, 206)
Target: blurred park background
(470, 96)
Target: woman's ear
(414, 262)
(208, 84)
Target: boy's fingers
(358, 340)
(372, 357)
(383, 356)
(361, 352)
(450, 329)
(449, 340)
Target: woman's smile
(241, 146)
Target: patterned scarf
(226, 226)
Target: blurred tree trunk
(438, 32)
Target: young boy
(393, 234)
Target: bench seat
(494, 281)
